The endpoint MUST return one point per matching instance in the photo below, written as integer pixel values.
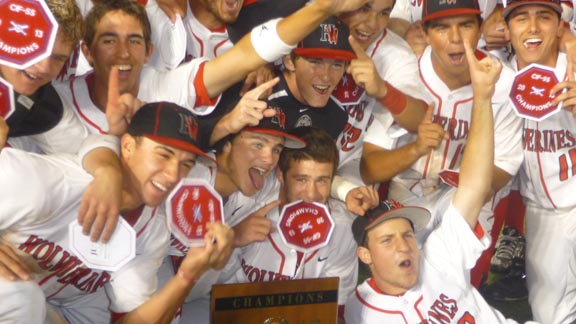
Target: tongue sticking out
(257, 178)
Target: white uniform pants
(551, 264)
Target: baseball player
(36, 259)
(409, 286)
(304, 174)
(245, 162)
(547, 174)
(109, 32)
(444, 71)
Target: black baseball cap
(329, 40)
(389, 209)
(169, 124)
(513, 4)
(434, 9)
(276, 125)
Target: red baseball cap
(329, 40)
(434, 9)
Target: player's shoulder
(388, 44)
(340, 214)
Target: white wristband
(267, 43)
(341, 187)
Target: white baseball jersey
(34, 217)
(443, 293)
(453, 112)
(273, 260)
(154, 86)
(549, 169)
(396, 64)
(184, 39)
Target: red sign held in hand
(27, 32)
(304, 226)
(530, 93)
(191, 206)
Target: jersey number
(567, 164)
(467, 318)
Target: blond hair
(69, 18)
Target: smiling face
(446, 36)
(118, 41)
(226, 11)
(392, 254)
(312, 80)
(306, 180)
(248, 159)
(369, 21)
(29, 80)
(153, 168)
(535, 32)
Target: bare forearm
(378, 165)
(162, 306)
(412, 114)
(101, 160)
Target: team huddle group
(273, 102)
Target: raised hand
(255, 227)
(258, 77)
(484, 73)
(430, 134)
(361, 199)
(364, 71)
(119, 108)
(338, 6)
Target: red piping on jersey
(365, 303)
(416, 308)
(542, 179)
(311, 256)
(202, 98)
(378, 43)
(200, 42)
(448, 141)
(219, 45)
(280, 270)
(77, 107)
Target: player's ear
(127, 145)
(288, 63)
(86, 51)
(364, 255)
(279, 175)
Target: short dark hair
(321, 148)
(129, 7)
(426, 24)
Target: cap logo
(188, 126)
(279, 118)
(329, 34)
(447, 2)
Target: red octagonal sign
(304, 226)
(191, 206)
(27, 32)
(6, 99)
(530, 93)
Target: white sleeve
(453, 247)
(65, 137)
(177, 86)
(401, 10)
(169, 39)
(94, 141)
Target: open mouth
(457, 58)
(257, 176)
(231, 6)
(532, 43)
(30, 75)
(362, 36)
(406, 264)
(159, 186)
(321, 89)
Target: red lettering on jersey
(261, 275)
(443, 310)
(535, 140)
(457, 128)
(567, 163)
(450, 304)
(356, 111)
(350, 135)
(467, 318)
(68, 268)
